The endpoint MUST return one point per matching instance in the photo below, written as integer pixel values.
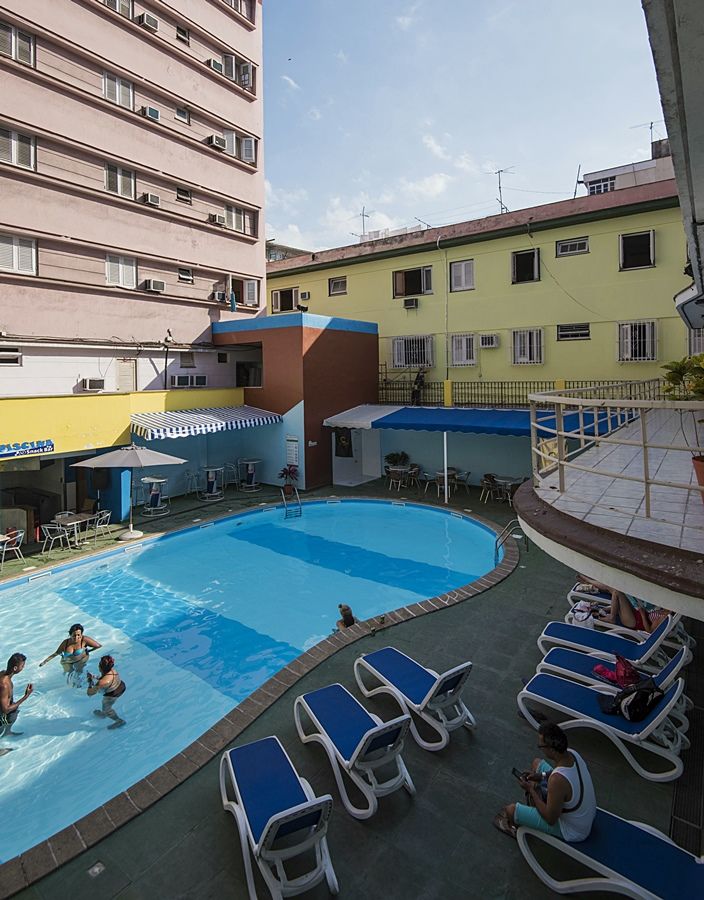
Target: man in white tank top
(559, 790)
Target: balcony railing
(400, 393)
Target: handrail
(504, 535)
(291, 511)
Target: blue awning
(188, 422)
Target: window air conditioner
(305, 295)
(220, 296)
(217, 141)
(151, 199)
(216, 65)
(488, 341)
(216, 219)
(151, 112)
(93, 384)
(155, 286)
(147, 21)
(410, 303)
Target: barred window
(527, 346)
(412, 352)
(637, 341)
(462, 350)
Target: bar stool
(191, 482)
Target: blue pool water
(196, 622)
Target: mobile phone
(516, 774)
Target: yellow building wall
(572, 289)
(90, 421)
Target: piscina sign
(25, 448)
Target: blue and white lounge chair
(657, 733)
(580, 667)
(647, 652)
(627, 858)
(434, 698)
(278, 817)
(357, 744)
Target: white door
(126, 375)
(371, 453)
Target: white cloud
(405, 22)
(282, 199)
(291, 83)
(426, 188)
(342, 56)
(465, 162)
(314, 114)
(435, 147)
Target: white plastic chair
(11, 545)
(53, 533)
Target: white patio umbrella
(132, 457)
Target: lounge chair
(357, 744)
(657, 733)
(639, 652)
(278, 817)
(580, 667)
(627, 858)
(434, 698)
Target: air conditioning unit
(93, 384)
(220, 296)
(155, 286)
(216, 65)
(217, 219)
(151, 199)
(147, 21)
(488, 341)
(305, 295)
(151, 112)
(410, 303)
(217, 141)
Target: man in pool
(9, 708)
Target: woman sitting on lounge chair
(628, 611)
(566, 807)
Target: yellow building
(577, 290)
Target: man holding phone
(9, 709)
(559, 792)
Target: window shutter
(537, 355)
(624, 342)
(112, 269)
(125, 8)
(651, 340)
(126, 94)
(399, 352)
(111, 180)
(127, 184)
(250, 293)
(230, 142)
(110, 87)
(536, 264)
(275, 299)
(24, 48)
(456, 277)
(5, 39)
(230, 216)
(428, 341)
(399, 284)
(239, 219)
(128, 271)
(6, 252)
(5, 145)
(249, 149)
(457, 355)
(427, 280)
(246, 75)
(229, 64)
(25, 256)
(24, 151)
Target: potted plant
(684, 380)
(289, 474)
(397, 458)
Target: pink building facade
(132, 188)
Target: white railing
(636, 416)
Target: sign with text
(25, 448)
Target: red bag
(605, 674)
(626, 673)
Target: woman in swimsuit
(112, 687)
(74, 652)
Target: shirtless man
(9, 708)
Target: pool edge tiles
(40, 860)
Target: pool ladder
(506, 533)
(292, 505)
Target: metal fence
(497, 393)
(400, 393)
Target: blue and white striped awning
(187, 422)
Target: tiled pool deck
(438, 845)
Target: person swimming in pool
(112, 687)
(74, 652)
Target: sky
(407, 109)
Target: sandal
(501, 822)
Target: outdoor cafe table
(73, 521)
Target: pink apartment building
(131, 191)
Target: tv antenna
(499, 172)
(422, 222)
(649, 126)
(365, 215)
(577, 181)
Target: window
(695, 341)
(575, 332)
(16, 44)
(240, 71)
(412, 352)
(124, 7)
(527, 346)
(413, 281)
(16, 148)
(603, 185)
(284, 301)
(10, 356)
(243, 7)
(637, 251)
(187, 381)
(242, 220)
(241, 146)
(337, 285)
(637, 342)
(18, 254)
(183, 115)
(119, 181)
(572, 247)
(187, 360)
(185, 276)
(184, 195)
(462, 350)
(525, 266)
(117, 90)
(183, 35)
(462, 275)
(121, 270)
(223, 357)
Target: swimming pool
(197, 620)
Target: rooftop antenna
(422, 222)
(365, 215)
(649, 126)
(499, 172)
(577, 181)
